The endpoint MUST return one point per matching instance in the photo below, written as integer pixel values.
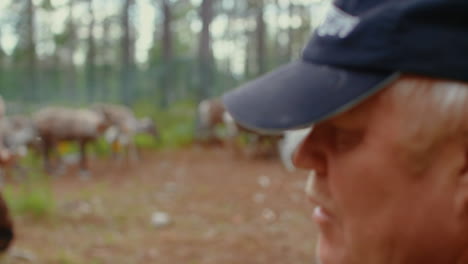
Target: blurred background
(159, 52)
(180, 202)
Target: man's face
(374, 203)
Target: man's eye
(345, 140)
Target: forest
(156, 52)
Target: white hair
(433, 110)
(289, 143)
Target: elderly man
(385, 84)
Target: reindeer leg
(253, 146)
(133, 152)
(114, 149)
(84, 172)
(47, 147)
(60, 164)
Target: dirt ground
(221, 210)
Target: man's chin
(328, 252)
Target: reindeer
(258, 144)
(209, 119)
(146, 125)
(58, 124)
(124, 127)
(18, 134)
(211, 115)
(6, 157)
(116, 115)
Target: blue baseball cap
(361, 47)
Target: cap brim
(300, 94)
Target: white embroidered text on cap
(337, 23)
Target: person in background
(385, 84)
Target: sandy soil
(221, 210)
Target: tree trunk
(32, 85)
(2, 54)
(290, 31)
(127, 88)
(2, 64)
(261, 43)
(71, 84)
(248, 55)
(91, 57)
(205, 52)
(106, 76)
(167, 54)
(278, 46)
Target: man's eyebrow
(350, 120)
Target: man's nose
(310, 155)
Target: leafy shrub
(33, 198)
(176, 125)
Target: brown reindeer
(18, 134)
(116, 115)
(249, 142)
(211, 116)
(209, 122)
(5, 156)
(124, 126)
(58, 124)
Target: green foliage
(33, 198)
(65, 257)
(47, 5)
(33, 161)
(61, 38)
(176, 124)
(100, 148)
